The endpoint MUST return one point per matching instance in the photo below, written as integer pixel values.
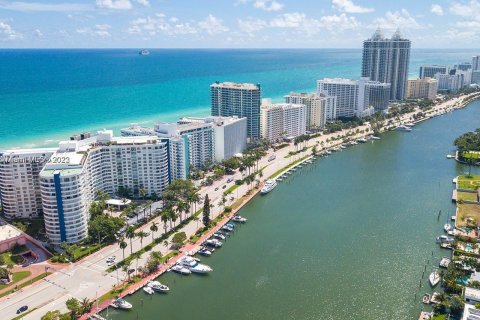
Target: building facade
(238, 99)
(387, 60)
(316, 116)
(78, 169)
(450, 82)
(425, 88)
(282, 120)
(475, 63)
(429, 71)
(19, 181)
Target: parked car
(224, 186)
(229, 180)
(130, 271)
(216, 189)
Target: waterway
(345, 238)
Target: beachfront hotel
(238, 99)
(282, 120)
(355, 97)
(387, 60)
(229, 134)
(425, 88)
(430, 70)
(316, 114)
(19, 181)
(78, 169)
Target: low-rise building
(422, 88)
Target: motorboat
(434, 277)
(157, 286)
(269, 186)
(205, 252)
(444, 238)
(227, 228)
(214, 243)
(362, 140)
(121, 304)
(148, 290)
(445, 262)
(219, 236)
(447, 227)
(181, 269)
(426, 298)
(343, 147)
(230, 225)
(194, 266)
(376, 138)
(238, 218)
(404, 128)
(144, 52)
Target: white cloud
(338, 23)
(251, 26)
(145, 3)
(212, 25)
(114, 4)
(436, 9)
(268, 5)
(469, 9)
(99, 30)
(38, 33)
(7, 33)
(38, 6)
(398, 19)
(289, 20)
(349, 7)
(309, 26)
(160, 24)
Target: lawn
(468, 183)
(16, 277)
(439, 317)
(471, 155)
(467, 211)
(467, 196)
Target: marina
(364, 229)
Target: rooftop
(235, 85)
(8, 232)
(472, 293)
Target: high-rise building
(387, 60)
(475, 63)
(429, 71)
(450, 82)
(464, 66)
(238, 99)
(316, 117)
(422, 89)
(356, 97)
(476, 77)
(78, 169)
(230, 134)
(19, 181)
(282, 120)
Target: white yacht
(434, 277)
(194, 266)
(157, 286)
(404, 128)
(376, 138)
(144, 52)
(269, 186)
(181, 270)
(214, 243)
(121, 304)
(238, 218)
(447, 227)
(445, 262)
(148, 290)
(362, 140)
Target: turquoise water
(348, 237)
(47, 95)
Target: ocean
(48, 95)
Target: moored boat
(148, 290)
(404, 128)
(121, 304)
(445, 262)
(181, 269)
(269, 186)
(194, 266)
(214, 243)
(434, 278)
(447, 227)
(157, 286)
(239, 218)
(205, 252)
(426, 298)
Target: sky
(235, 23)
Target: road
(88, 278)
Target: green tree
(179, 238)
(55, 315)
(123, 245)
(74, 306)
(206, 211)
(153, 229)
(141, 235)
(104, 228)
(456, 305)
(130, 234)
(153, 261)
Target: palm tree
(123, 245)
(197, 219)
(130, 234)
(164, 217)
(149, 204)
(141, 235)
(85, 305)
(153, 229)
(143, 193)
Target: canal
(347, 237)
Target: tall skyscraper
(475, 63)
(238, 99)
(386, 60)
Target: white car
(111, 258)
(110, 263)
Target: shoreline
(435, 111)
